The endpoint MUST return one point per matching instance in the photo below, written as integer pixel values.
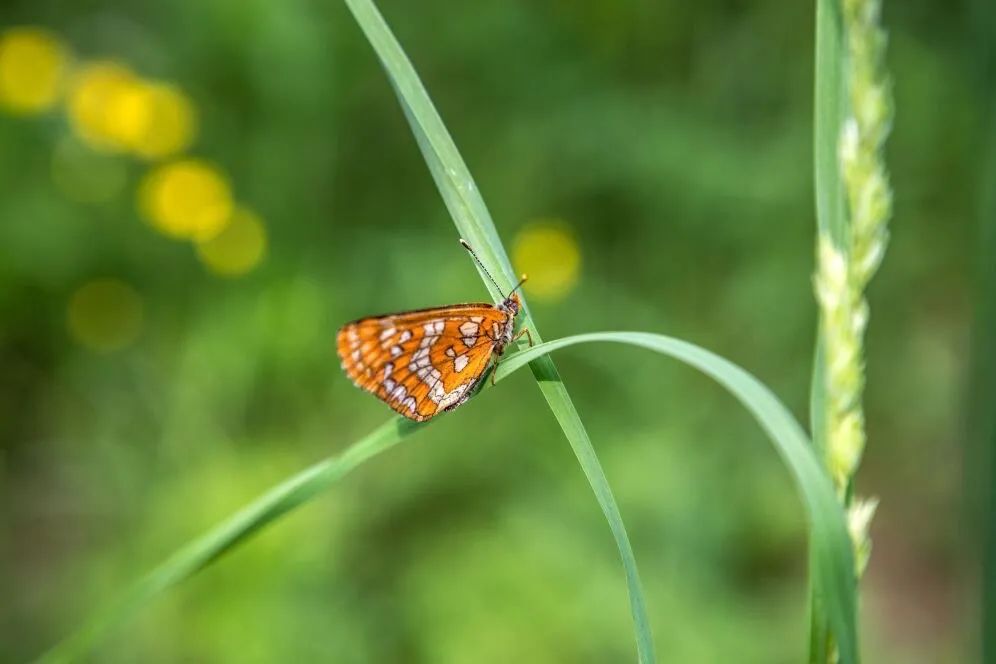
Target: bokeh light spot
(86, 176)
(33, 64)
(548, 252)
(105, 106)
(238, 248)
(113, 109)
(105, 315)
(171, 122)
(127, 114)
(186, 199)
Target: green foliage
(831, 545)
(831, 548)
(674, 141)
(474, 222)
(214, 544)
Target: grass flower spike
(846, 265)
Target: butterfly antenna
(467, 247)
(521, 281)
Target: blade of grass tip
(830, 543)
(828, 117)
(231, 532)
(473, 221)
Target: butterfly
(427, 361)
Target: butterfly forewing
(421, 362)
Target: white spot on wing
(388, 368)
(387, 334)
(420, 359)
(460, 363)
(395, 351)
(469, 329)
(433, 327)
(429, 375)
(451, 398)
(405, 336)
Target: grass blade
(831, 553)
(830, 545)
(231, 532)
(473, 221)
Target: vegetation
(160, 374)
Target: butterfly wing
(421, 362)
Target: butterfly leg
(524, 331)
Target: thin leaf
(831, 552)
(830, 544)
(228, 534)
(474, 223)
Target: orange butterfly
(427, 361)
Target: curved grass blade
(231, 532)
(474, 222)
(830, 545)
(472, 219)
(829, 541)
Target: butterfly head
(512, 304)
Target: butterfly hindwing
(421, 362)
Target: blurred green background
(195, 195)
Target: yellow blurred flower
(186, 199)
(238, 248)
(113, 109)
(171, 122)
(104, 107)
(105, 315)
(548, 252)
(33, 65)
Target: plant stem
(828, 114)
